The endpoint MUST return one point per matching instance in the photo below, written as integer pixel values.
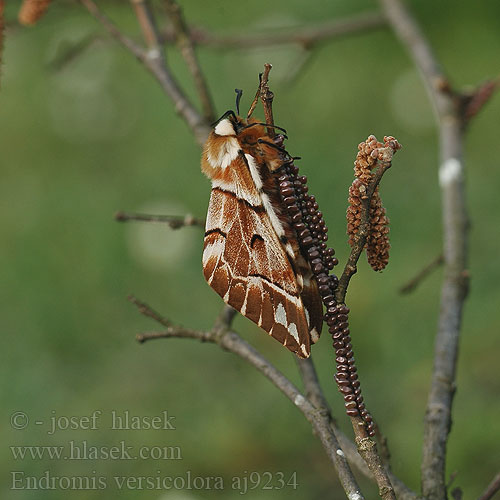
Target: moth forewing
(248, 258)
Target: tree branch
(155, 63)
(455, 236)
(69, 52)
(411, 36)
(402, 491)
(307, 36)
(421, 275)
(492, 489)
(147, 23)
(312, 387)
(124, 40)
(174, 221)
(186, 47)
(225, 318)
(267, 98)
(474, 102)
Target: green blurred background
(79, 142)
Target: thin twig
(312, 387)
(186, 47)
(267, 99)
(256, 98)
(266, 96)
(147, 23)
(492, 489)
(174, 221)
(306, 36)
(225, 318)
(411, 36)
(127, 42)
(155, 63)
(69, 52)
(455, 238)
(421, 275)
(178, 332)
(476, 100)
(144, 309)
(299, 66)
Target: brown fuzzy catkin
(32, 10)
(356, 191)
(366, 159)
(377, 245)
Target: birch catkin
(377, 242)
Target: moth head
(222, 146)
(228, 124)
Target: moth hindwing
(251, 256)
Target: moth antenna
(225, 115)
(268, 125)
(239, 93)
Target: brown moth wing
(245, 263)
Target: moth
(251, 254)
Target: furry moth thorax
(252, 257)
(233, 134)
